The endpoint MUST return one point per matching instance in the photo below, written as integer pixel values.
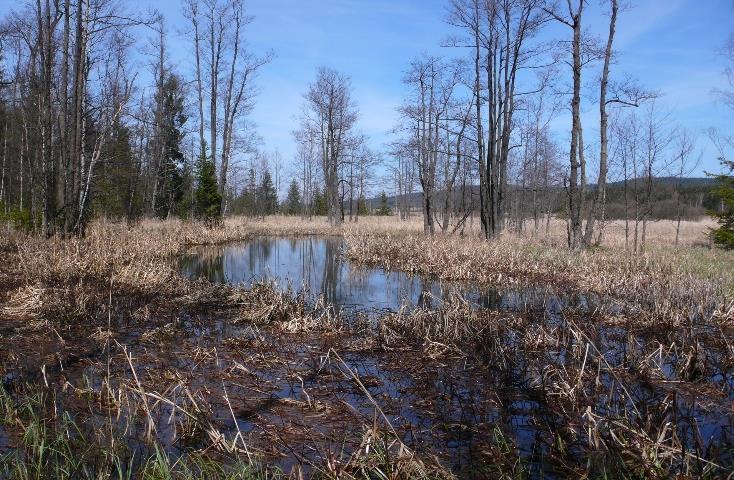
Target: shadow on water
(316, 266)
(4, 441)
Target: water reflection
(313, 265)
(316, 266)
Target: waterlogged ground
(484, 382)
(458, 409)
(297, 401)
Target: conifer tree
(384, 208)
(293, 201)
(170, 175)
(362, 206)
(117, 178)
(724, 235)
(267, 196)
(319, 202)
(249, 195)
(208, 200)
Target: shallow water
(4, 440)
(454, 408)
(292, 398)
(316, 266)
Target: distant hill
(696, 197)
(687, 182)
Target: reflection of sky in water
(315, 265)
(311, 264)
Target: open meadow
(591, 364)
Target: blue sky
(673, 46)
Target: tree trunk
(574, 195)
(600, 194)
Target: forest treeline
(690, 198)
(97, 119)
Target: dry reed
(107, 320)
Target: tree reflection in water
(316, 266)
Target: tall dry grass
(659, 232)
(667, 280)
(70, 289)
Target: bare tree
(426, 114)
(457, 142)
(573, 18)
(644, 142)
(328, 118)
(499, 33)
(71, 90)
(601, 184)
(307, 166)
(217, 31)
(686, 165)
(403, 174)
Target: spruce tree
(319, 203)
(117, 178)
(208, 200)
(267, 196)
(293, 201)
(171, 182)
(250, 195)
(384, 208)
(724, 235)
(362, 206)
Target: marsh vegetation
(119, 361)
(489, 260)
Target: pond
(455, 407)
(317, 266)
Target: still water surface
(317, 266)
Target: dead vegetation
(632, 400)
(659, 285)
(127, 370)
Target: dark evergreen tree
(293, 201)
(319, 203)
(208, 200)
(384, 208)
(267, 197)
(362, 206)
(724, 235)
(250, 200)
(117, 188)
(170, 191)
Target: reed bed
(664, 285)
(112, 365)
(607, 402)
(89, 377)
